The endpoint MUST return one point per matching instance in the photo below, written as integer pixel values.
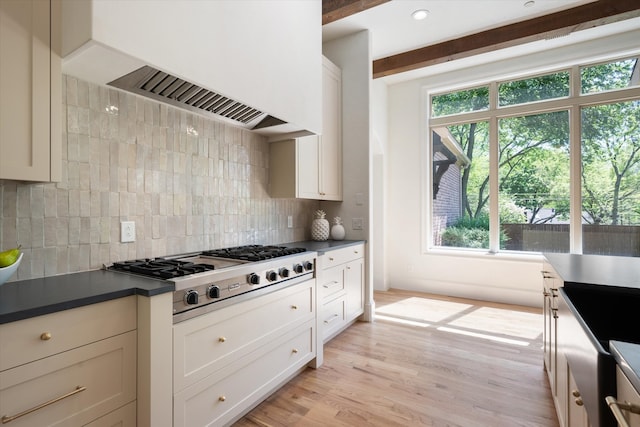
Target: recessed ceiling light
(420, 14)
(529, 3)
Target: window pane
(461, 186)
(535, 89)
(534, 182)
(463, 101)
(610, 76)
(611, 179)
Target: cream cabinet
(576, 413)
(227, 361)
(341, 289)
(30, 88)
(626, 406)
(70, 368)
(310, 167)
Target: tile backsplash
(189, 183)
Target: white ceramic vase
(337, 232)
(320, 229)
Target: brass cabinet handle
(222, 398)
(579, 401)
(575, 393)
(331, 319)
(330, 259)
(222, 339)
(617, 408)
(294, 351)
(45, 336)
(8, 418)
(546, 294)
(294, 307)
(546, 274)
(555, 315)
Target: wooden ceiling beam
(556, 24)
(332, 10)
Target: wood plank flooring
(426, 361)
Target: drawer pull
(331, 319)
(617, 408)
(331, 285)
(294, 351)
(579, 401)
(330, 259)
(45, 336)
(222, 398)
(222, 339)
(575, 393)
(294, 307)
(7, 419)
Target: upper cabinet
(310, 167)
(265, 55)
(30, 90)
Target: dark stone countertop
(600, 270)
(35, 297)
(322, 247)
(627, 356)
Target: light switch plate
(290, 221)
(356, 223)
(127, 231)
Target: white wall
(379, 181)
(508, 278)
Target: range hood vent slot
(164, 87)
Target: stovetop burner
(253, 252)
(161, 268)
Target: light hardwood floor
(426, 361)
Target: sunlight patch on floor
(484, 336)
(514, 323)
(423, 309)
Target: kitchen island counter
(627, 356)
(600, 270)
(35, 297)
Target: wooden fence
(596, 239)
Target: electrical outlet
(290, 221)
(127, 231)
(356, 223)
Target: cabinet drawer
(627, 394)
(331, 282)
(208, 343)
(32, 339)
(102, 375)
(340, 256)
(332, 317)
(122, 417)
(219, 399)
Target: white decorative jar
(320, 227)
(337, 230)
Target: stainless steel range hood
(163, 87)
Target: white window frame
(573, 104)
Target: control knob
(213, 291)
(298, 268)
(271, 275)
(308, 265)
(191, 297)
(284, 272)
(254, 279)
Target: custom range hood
(164, 87)
(201, 56)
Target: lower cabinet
(628, 400)
(341, 289)
(576, 414)
(227, 361)
(79, 381)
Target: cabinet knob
(45, 336)
(330, 259)
(294, 307)
(222, 398)
(222, 339)
(579, 401)
(294, 351)
(575, 393)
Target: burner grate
(253, 252)
(161, 268)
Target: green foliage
(463, 101)
(463, 237)
(534, 89)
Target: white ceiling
(395, 31)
